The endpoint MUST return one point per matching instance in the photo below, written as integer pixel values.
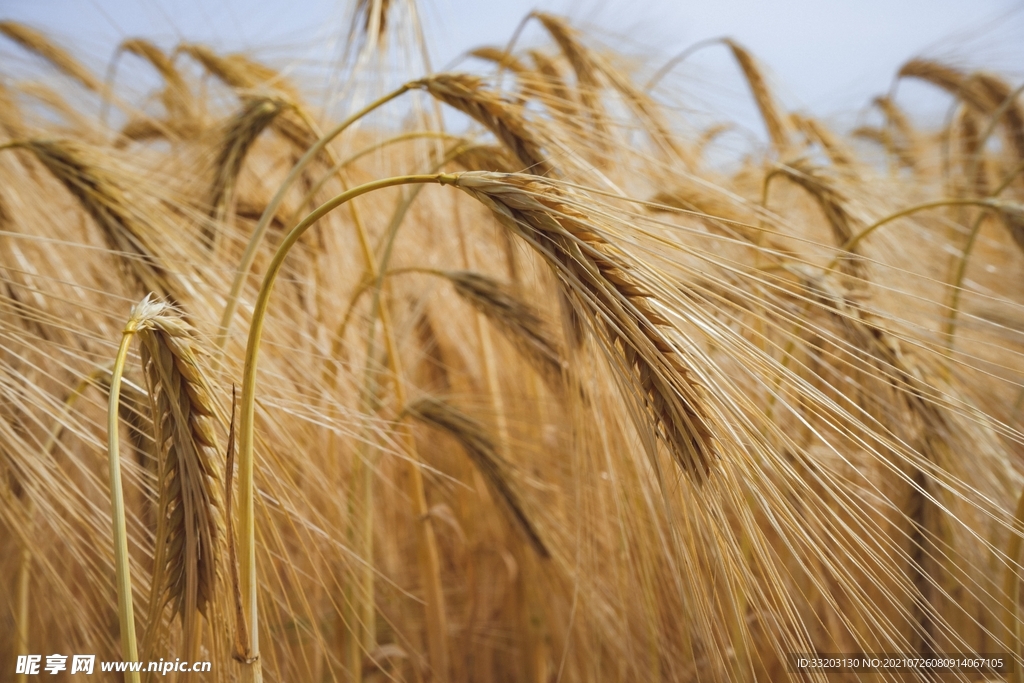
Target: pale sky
(827, 57)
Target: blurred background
(828, 58)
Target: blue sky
(824, 56)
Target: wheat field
(503, 375)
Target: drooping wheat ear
(190, 529)
(11, 122)
(1000, 95)
(239, 136)
(971, 160)
(486, 158)
(246, 76)
(885, 139)
(902, 136)
(943, 76)
(176, 97)
(143, 128)
(497, 55)
(832, 144)
(590, 67)
(599, 278)
(832, 202)
(779, 128)
(588, 82)
(551, 81)
(505, 120)
(481, 451)
(517, 320)
(982, 92)
(236, 70)
(34, 41)
(104, 194)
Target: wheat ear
(105, 196)
(780, 129)
(481, 451)
(191, 518)
(34, 41)
(241, 133)
(176, 96)
(506, 120)
(140, 317)
(598, 276)
(519, 322)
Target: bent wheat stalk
(247, 542)
(140, 317)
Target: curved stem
(1011, 591)
(21, 615)
(339, 166)
(675, 61)
(247, 550)
(958, 279)
(965, 256)
(856, 239)
(129, 650)
(268, 213)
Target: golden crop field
(519, 382)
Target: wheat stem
(1011, 591)
(856, 239)
(21, 616)
(247, 551)
(129, 650)
(961, 268)
(268, 213)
